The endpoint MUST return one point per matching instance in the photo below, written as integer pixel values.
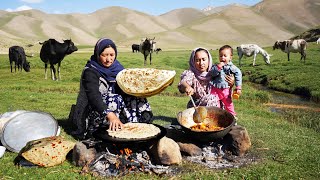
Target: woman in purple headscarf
(101, 102)
(195, 81)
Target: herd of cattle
(146, 47)
(53, 52)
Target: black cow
(135, 48)
(53, 52)
(158, 49)
(146, 48)
(18, 56)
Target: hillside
(184, 28)
(295, 16)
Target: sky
(151, 7)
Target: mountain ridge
(183, 28)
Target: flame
(126, 151)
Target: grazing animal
(158, 49)
(135, 48)
(52, 52)
(18, 56)
(294, 46)
(146, 48)
(252, 50)
(318, 41)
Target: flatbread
(135, 131)
(144, 82)
(46, 152)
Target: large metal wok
(218, 117)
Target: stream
(281, 100)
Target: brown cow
(294, 46)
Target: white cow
(318, 41)
(252, 49)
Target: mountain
(185, 28)
(294, 16)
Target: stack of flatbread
(144, 82)
(135, 131)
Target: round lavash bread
(144, 82)
(46, 152)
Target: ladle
(200, 113)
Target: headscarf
(200, 75)
(108, 73)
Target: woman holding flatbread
(195, 81)
(100, 101)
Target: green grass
(290, 141)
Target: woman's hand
(230, 80)
(188, 89)
(114, 121)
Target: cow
(294, 46)
(146, 48)
(318, 41)
(252, 50)
(52, 52)
(135, 48)
(157, 50)
(18, 56)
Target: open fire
(115, 160)
(121, 158)
(214, 156)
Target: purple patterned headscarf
(200, 75)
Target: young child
(219, 85)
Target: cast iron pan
(103, 135)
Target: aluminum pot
(218, 117)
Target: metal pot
(218, 116)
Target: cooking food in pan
(135, 131)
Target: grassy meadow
(287, 143)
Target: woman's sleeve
(187, 77)
(91, 85)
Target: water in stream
(281, 100)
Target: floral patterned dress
(201, 96)
(126, 107)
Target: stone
(166, 152)
(190, 149)
(237, 140)
(82, 155)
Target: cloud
(21, 8)
(32, 1)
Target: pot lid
(25, 126)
